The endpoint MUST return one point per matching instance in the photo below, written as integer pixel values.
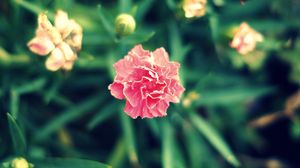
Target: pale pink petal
(75, 37)
(161, 57)
(56, 60)
(133, 95)
(133, 112)
(41, 45)
(62, 23)
(138, 51)
(61, 20)
(116, 89)
(44, 23)
(161, 108)
(67, 51)
(68, 65)
(45, 28)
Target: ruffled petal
(116, 89)
(161, 57)
(133, 95)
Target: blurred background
(237, 110)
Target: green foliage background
(57, 119)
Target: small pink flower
(194, 8)
(148, 81)
(63, 41)
(245, 39)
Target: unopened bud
(125, 25)
(20, 163)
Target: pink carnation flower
(148, 81)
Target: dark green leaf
(214, 138)
(17, 135)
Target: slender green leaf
(129, 137)
(124, 6)
(137, 38)
(67, 116)
(214, 138)
(68, 163)
(33, 8)
(14, 103)
(17, 135)
(118, 154)
(178, 51)
(108, 26)
(198, 152)
(143, 8)
(231, 95)
(31, 86)
(102, 115)
(167, 145)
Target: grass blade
(214, 138)
(14, 103)
(68, 116)
(129, 138)
(102, 115)
(167, 145)
(17, 135)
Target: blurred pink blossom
(63, 41)
(245, 39)
(148, 81)
(194, 8)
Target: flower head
(63, 41)
(245, 39)
(148, 81)
(194, 8)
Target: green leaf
(33, 8)
(178, 51)
(102, 115)
(231, 95)
(32, 86)
(14, 103)
(214, 138)
(196, 146)
(124, 6)
(68, 116)
(118, 154)
(108, 26)
(68, 163)
(143, 8)
(129, 137)
(167, 145)
(137, 38)
(16, 135)
(171, 153)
